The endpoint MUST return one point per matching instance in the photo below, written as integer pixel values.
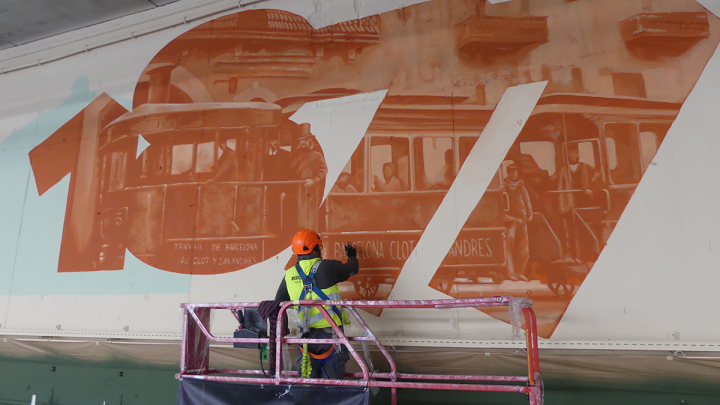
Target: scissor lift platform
(195, 375)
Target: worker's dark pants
(332, 368)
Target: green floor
(116, 383)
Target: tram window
(503, 167)
(586, 153)
(145, 159)
(163, 161)
(651, 136)
(659, 128)
(612, 154)
(465, 145)
(390, 163)
(352, 177)
(153, 161)
(205, 158)
(231, 143)
(248, 164)
(182, 157)
(648, 148)
(434, 163)
(117, 171)
(542, 154)
(623, 157)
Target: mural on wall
(209, 175)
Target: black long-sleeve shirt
(329, 273)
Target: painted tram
(182, 187)
(425, 140)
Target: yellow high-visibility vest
(295, 287)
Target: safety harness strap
(309, 285)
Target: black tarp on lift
(199, 392)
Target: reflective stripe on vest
(295, 287)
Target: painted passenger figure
(276, 167)
(276, 163)
(227, 168)
(309, 166)
(444, 177)
(392, 183)
(538, 182)
(576, 175)
(519, 214)
(344, 184)
(576, 180)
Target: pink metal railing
(194, 362)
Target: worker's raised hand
(351, 251)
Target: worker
(315, 279)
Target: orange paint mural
(209, 175)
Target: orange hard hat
(305, 241)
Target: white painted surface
(141, 146)
(143, 314)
